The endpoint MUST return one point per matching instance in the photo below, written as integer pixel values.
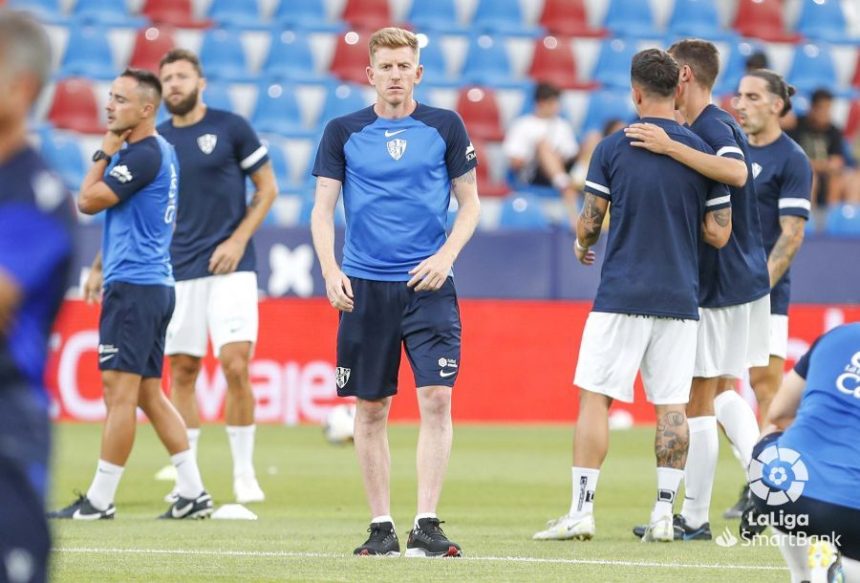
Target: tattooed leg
(672, 438)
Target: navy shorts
(386, 316)
(132, 327)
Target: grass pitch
(503, 483)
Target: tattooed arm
(588, 226)
(786, 247)
(717, 227)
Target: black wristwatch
(100, 155)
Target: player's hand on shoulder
(226, 257)
(430, 274)
(649, 136)
(338, 289)
(93, 286)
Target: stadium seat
(150, 44)
(178, 13)
(812, 68)
(290, 58)
(64, 155)
(75, 107)
(341, 100)
(696, 19)
(435, 64)
(735, 66)
(217, 95)
(350, 57)
(613, 63)
(843, 221)
(277, 111)
(243, 14)
(367, 14)
(605, 105)
(630, 18)
(521, 211)
(486, 185)
(480, 112)
(47, 11)
(487, 63)
(762, 19)
(553, 62)
(88, 54)
(106, 12)
(823, 20)
(568, 18)
(435, 16)
(852, 123)
(502, 17)
(280, 165)
(223, 55)
(309, 15)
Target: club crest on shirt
(207, 143)
(341, 376)
(396, 148)
(756, 168)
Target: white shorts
(733, 338)
(615, 346)
(221, 306)
(779, 335)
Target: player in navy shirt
(36, 222)
(733, 281)
(397, 163)
(647, 305)
(213, 256)
(137, 186)
(805, 479)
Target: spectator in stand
(823, 143)
(757, 60)
(580, 168)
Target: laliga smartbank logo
(777, 475)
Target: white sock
(103, 489)
(584, 485)
(242, 445)
(188, 481)
(668, 481)
(738, 419)
(383, 518)
(423, 515)
(700, 469)
(795, 555)
(193, 438)
(851, 568)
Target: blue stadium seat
(435, 64)
(64, 155)
(813, 67)
(277, 111)
(106, 12)
(280, 165)
(613, 63)
(341, 100)
(697, 19)
(502, 17)
(735, 67)
(435, 16)
(88, 54)
(630, 18)
(237, 13)
(307, 15)
(521, 211)
(217, 96)
(605, 105)
(487, 63)
(843, 220)
(290, 58)
(823, 20)
(224, 56)
(47, 11)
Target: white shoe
(568, 527)
(172, 496)
(661, 530)
(247, 489)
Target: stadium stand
(823, 21)
(613, 63)
(105, 12)
(554, 62)
(178, 13)
(522, 211)
(64, 154)
(350, 57)
(502, 17)
(277, 111)
(843, 221)
(762, 19)
(88, 54)
(307, 15)
(224, 57)
(480, 112)
(697, 18)
(75, 107)
(367, 14)
(150, 44)
(290, 58)
(630, 18)
(488, 63)
(568, 18)
(435, 16)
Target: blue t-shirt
(657, 208)
(826, 430)
(737, 273)
(137, 232)
(216, 155)
(783, 183)
(36, 224)
(396, 177)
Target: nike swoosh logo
(445, 375)
(182, 511)
(106, 357)
(389, 134)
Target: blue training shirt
(783, 183)
(656, 212)
(137, 231)
(826, 431)
(215, 154)
(396, 177)
(36, 224)
(737, 273)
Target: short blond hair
(392, 37)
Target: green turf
(504, 482)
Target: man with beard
(213, 255)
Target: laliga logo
(778, 475)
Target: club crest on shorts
(341, 376)
(396, 148)
(207, 143)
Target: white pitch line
(297, 555)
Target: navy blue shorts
(132, 327)
(388, 315)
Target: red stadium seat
(726, 103)
(856, 80)
(852, 124)
(568, 18)
(480, 112)
(150, 44)
(75, 107)
(367, 14)
(486, 186)
(553, 62)
(762, 19)
(177, 13)
(351, 57)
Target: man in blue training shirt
(734, 288)
(213, 256)
(36, 222)
(397, 162)
(646, 310)
(806, 469)
(138, 187)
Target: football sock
(242, 447)
(584, 485)
(739, 422)
(796, 558)
(383, 518)
(103, 489)
(668, 481)
(700, 469)
(188, 481)
(193, 438)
